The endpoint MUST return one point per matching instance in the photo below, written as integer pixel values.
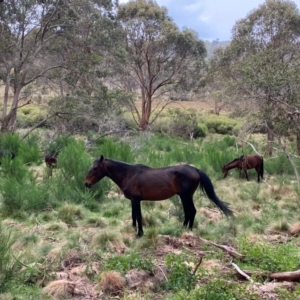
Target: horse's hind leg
(189, 211)
(257, 169)
(137, 216)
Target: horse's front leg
(137, 216)
(246, 174)
(133, 216)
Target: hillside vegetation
(62, 240)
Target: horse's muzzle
(88, 185)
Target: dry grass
(60, 289)
(112, 282)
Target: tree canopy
(158, 56)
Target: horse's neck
(118, 172)
(232, 166)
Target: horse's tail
(262, 168)
(208, 188)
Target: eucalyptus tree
(262, 65)
(158, 56)
(81, 87)
(26, 27)
(38, 37)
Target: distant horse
(246, 162)
(140, 182)
(8, 153)
(51, 159)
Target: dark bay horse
(140, 182)
(51, 159)
(246, 162)
(8, 153)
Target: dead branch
(229, 250)
(41, 123)
(286, 276)
(251, 147)
(241, 272)
(106, 134)
(198, 265)
(254, 273)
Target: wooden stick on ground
(232, 252)
(242, 273)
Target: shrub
(219, 124)
(184, 123)
(273, 258)
(126, 262)
(30, 115)
(7, 261)
(180, 276)
(216, 289)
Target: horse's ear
(101, 158)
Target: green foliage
(7, 261)
(68, 213)
(128, 261)
(216, 289)
(273, 258)
(10, 142)
(58, 144)
(219, 124)
(180, 276)
(184, 123)
(19, 189)
(280, 165)
(114, 150)
(30, 115)
(29, 150)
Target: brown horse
(51, 159)
(246, 162)
(139, 182)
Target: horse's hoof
(139, 234)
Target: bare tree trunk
(8, 122)
(270, 137)
(146, 110)
(298, 143)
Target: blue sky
(211, 19)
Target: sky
(211, 19)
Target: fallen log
(286, 276)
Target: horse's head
(50, 160)
(96, 172)
(225, 170)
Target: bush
(272, 258)
(30, 115)
(124, 263)
(7, 262)
(181, 276)
(184, 123)
(219, 124)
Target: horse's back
(255, 158)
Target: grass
(97, 223)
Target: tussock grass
(50, 217)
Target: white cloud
(211, 19)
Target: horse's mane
(128, 164)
